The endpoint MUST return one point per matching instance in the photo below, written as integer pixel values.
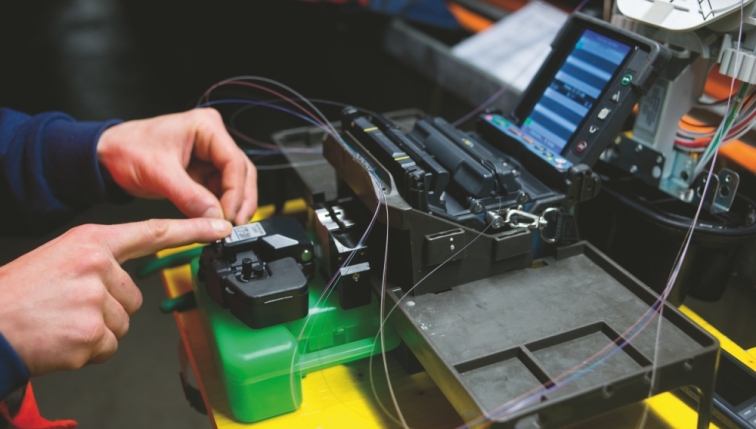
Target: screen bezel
(562, 47)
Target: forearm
(48, 169)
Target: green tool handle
(170, 261)
(180, 303)
(321, 359)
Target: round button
(626, 79)
(581, 146)
(560, 160)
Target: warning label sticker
(650, 108)
(245, 232)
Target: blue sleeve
(48, 170)
(13, 372)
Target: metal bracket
(646, 164)
(640, 160)
(721, 192)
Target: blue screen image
(574, 90)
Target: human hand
(186, 157)
(68, 302)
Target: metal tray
(491, 341)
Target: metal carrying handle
(534, 221)
(553, 239)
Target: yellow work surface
(342, 397)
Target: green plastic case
(255, 365)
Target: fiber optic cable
(722, 131)
(384, 319)
(260, 103)
(312, 100)
(332, 283)
(241, 80)
(324, 122)
(744, 88)
(291, 165)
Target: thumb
(193, 199)
(133, 240)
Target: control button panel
(587, 143)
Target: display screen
(574, 90)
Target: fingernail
(220, 225)
(212, 213)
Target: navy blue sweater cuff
(70, 160)
(48, 170)
(13, 372)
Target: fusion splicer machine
(538, 157)
(261, 271)
(514, 174)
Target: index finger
(133, 240)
